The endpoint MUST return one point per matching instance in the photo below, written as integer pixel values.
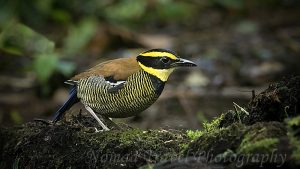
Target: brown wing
(117, 69)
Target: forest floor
(264, 134)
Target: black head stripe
(154, 62)
(161, 50)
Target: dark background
(239, 45)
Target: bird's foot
(45, 121)
(96, 130)
(105, 128)
(102, 130)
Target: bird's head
(161, 62)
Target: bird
(123, 87)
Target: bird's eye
(165, 59)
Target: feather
(71, 82)
(116, 86)
(115, 70)
(67, 105)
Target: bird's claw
(97, 131)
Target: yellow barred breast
(137, 94)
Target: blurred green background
(239, 45)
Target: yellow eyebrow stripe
(155, 54)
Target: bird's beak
(184, 63)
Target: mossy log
(265, 134)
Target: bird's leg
(104, 127)
(110, 122)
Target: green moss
(148, 166)
(296, 151)
(265, 145)
(210, 128)
(193, 135)
(262, 138)
(150, 139)
(66, 146)
(293, 122)
(217, 140)
(226, 155)
(294, 139)
(214, 124)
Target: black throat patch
(157, 84)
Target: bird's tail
(67, 105)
